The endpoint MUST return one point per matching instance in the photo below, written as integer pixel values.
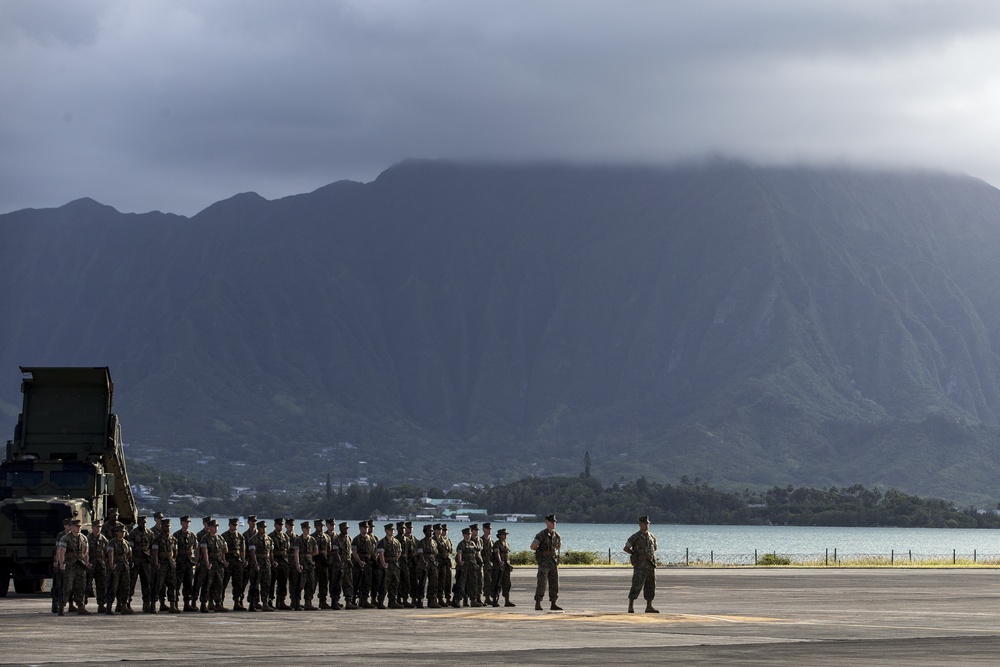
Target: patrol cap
(75, 522)
(332, 521)
(185, 518)
(262, 524)
(234, 521)
(318, 522)
(120, 528)
(502, 531)
(408, 524)
(164, 522)
(206, 519)
(96, 522)
(428, 528)
(67, 520)
(212, 522)
(551, 517)
(113, 511)
(474, 526)
(141, 517)
(306, 524)
(289, 520)
(157, 514)
(400, 524)
(466, 531)
(370, 522)
(279, 521)
(390, 526)
(251, 518)
(436, 526)
(644, 519)
(343, 525)
(444, 527)
(362, 524)
(487, 525)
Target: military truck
(65, 460)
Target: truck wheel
(4, 583)
(26, 586)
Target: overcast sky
(172, 105)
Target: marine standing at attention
(98, 548)
(260, 552)
(641, 548)
(187, 558)
(501, 554)
(119, 557)
(546, 545)
(279, 575)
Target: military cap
(644, 519)
(164, 522)
(251, 518)
(343, 525)
(370, 522)
(279, 521)
(551, 517)
(141, 517)
(362, 524)
(436, 526)
(120, 528)
(157, 514)
(400, 524)
(474, 526)
(212, 522)
(318, 522)
(76, 522)
(262, 524)
(466, 531)
(206, 519)
(113, 511)
(67, 520)
(502, 531)
(290, 520)
(96, 522)
(390, 526)
(306, 524)
(428, 528)
(487, 525)
(331, 520)
(234, 521)
(185, 518)
(444, 527)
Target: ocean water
(738, 544)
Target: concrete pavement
(709, 617)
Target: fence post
(609, 556)
(827, 561)
(687, 556)
(973, 555)
(835, 561)
(892, 557)
(954, 556)
(754, 556)
(711, 557)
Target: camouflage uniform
(488, 567)
(547, 556)
(391, 550)
(408, 546)
(445, 550)
(121, 577)
(165, 546)
(322, 565)
(501, 552)
(362, 572)
(200, 572)
(247, 534)
(279, 577)
(75, 574)
(141, 541)
(342, 580)
(465, 572)
(97, 546)
(643, 560)
(187, 558)
(236, 550)
(427, 571)
(215, 547)
(305, 545)
(262, 549)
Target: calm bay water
(737, 544)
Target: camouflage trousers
(473, 576)
(489, 577)
(548, 573)
(502, 585)
(200, 579)
(390, 583)
(74, 583)
(98, 579)
(363, 578)
(322, 578)
(166, 581)
(643, 579)
(184, 579)
(121, 582)
(260, 584)
(141, 572)
(279, 582)
(213, 583)
(427, 582)
(342, 582)
(306, 587)
(444, 579)
(234, 574)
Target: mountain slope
(746, 325)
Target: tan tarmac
(774, 617)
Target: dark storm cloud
(174, 105)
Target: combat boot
(126, 610)
(239, 606)
(83, 611)
(188, 606)
(508, 603)
(419, 604)
(152, 607)
(476, 602)
(649, 608)
(555, 607)
(163, 606)
(174, 609)
(432, 604)
(107, 610)
(100, 608)
(350, 605)
(72, 606)
(268, 607)
(145, 607)
(221, 608)
(323, 604)
(336, 606)
(62, 612)
(283, 606)
(204, 608)
(538, 605)
(631, 606)
(310, 606)
(496, 602)
(456, 603)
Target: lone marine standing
(641, 548)
(546, 545)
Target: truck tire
(4, 583)
(27, 586)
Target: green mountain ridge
(741, 324)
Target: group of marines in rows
(198, 568)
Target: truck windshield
(23, 478)
(69, 479)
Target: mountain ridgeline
(747, 326)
